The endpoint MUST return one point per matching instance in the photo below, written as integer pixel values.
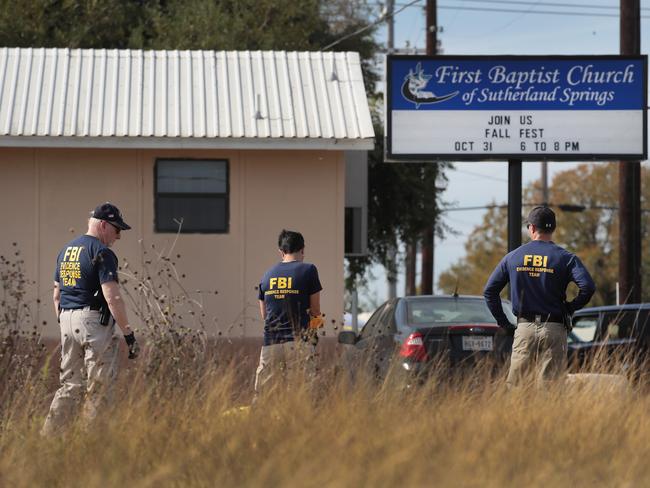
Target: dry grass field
(182, 425)
(178, 420)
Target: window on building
(192, 195)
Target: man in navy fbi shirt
(88, 304)
(289, 299)
(539, 273)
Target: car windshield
(584, 328)
(453, 310)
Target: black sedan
(418, 331)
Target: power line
(381, 19)
(384, 16)
(525, 2)
(528, 3)
(543, 12)
(565, 207)
(478, 207)
(460, 221)
(516, 18)
(548, 4)
(495, 178)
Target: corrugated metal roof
(218, 97)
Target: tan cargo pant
(280, 361)
(539, 351)
(89, 362)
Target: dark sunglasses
(117, 229)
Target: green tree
(306, 25)
(402, 200)
(593, 233)
(74, 23)
(484, 249)
(238, 25)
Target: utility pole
(411, 253)
(514, 204)
(545, 198)
(428, 237)
(354, 312)
(411, 247)
(390, 48)
(432, 28)
(390, 38)
(629, 177)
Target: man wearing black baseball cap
(88, 304)
(539, 273)
(111, 214)
(543, 218)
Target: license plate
(477, 343)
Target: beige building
(229, 146)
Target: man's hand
(134, 347)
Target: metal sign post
(514, 204)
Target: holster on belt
(568, 323)
(104, 311)
(104, 314)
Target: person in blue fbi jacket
(289, 300)
(539, 273)
(88, 305)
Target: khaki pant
(89, 362)
(539, 349)
(279, 361)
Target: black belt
(524, 317)
(90, 307)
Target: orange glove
(316, 322)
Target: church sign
(516, 107)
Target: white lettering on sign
(587, 74)
(500, 74)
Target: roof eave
(186, 143)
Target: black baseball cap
(111, 214)
(543, 218)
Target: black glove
(134, 347)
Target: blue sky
(481, 32)
(467, 32)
